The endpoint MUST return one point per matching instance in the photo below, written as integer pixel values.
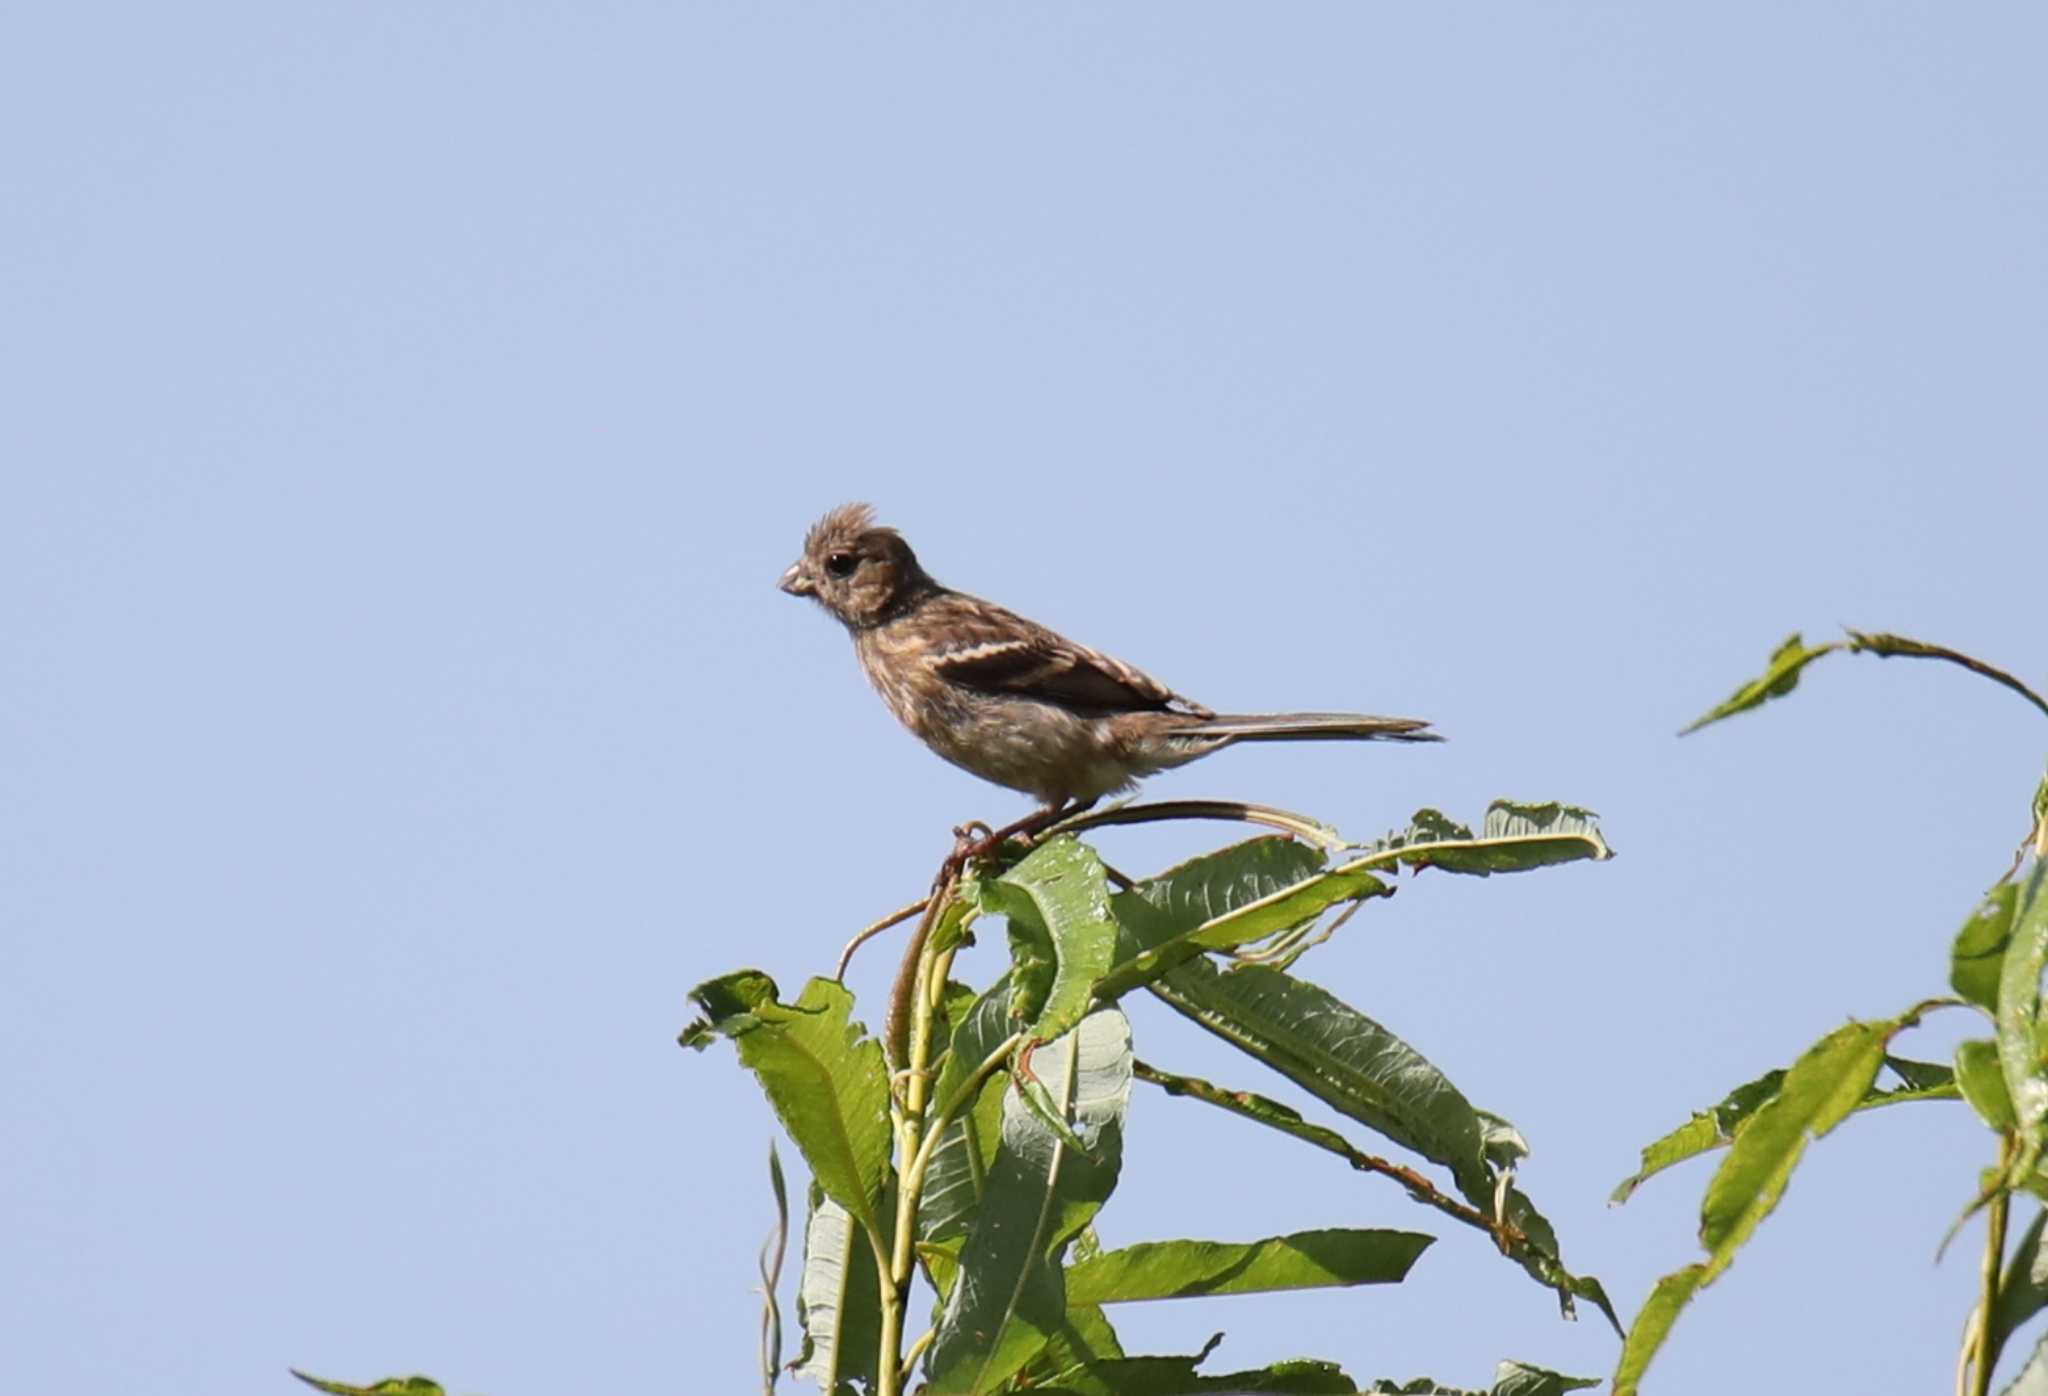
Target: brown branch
(896, 1034)
(894, 918)
(1300, 826)
(1889, 646)
(1329, 1141)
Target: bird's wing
(995, 651)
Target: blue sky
(410, 409)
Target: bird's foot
(1024, 828)
(967, 847)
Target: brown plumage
(1008, 699)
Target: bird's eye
(841, 564)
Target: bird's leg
(964, 844)
(1029, 825)
(967, 847)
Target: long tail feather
(1310, 727)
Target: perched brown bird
(1011, 701)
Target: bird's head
(859, 572)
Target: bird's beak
(795, 582)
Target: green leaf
(1779, 679)
(1085, 1359)
(1979, 951)
(1341, 1056)
(1541, 1258)
(838, 1302)
(1216, 884)
(390, 1386)
(1715, 1127)
(1085, 1340)
(1513, 838)
(2033, 1378)
(1027, 1087)
(2024, 1291)
(1792, 656)
(1524, 1379)
(2037, 838)
(1207, 889)
(1302, 1376)
(1010, 1298)
(1983, 1083)
(1302, 1031)
(1331, 1049)
(1122, 1376)
(1279, 911)
(956, 1001)
(1510, 1379)
(1302, 1260)
(2018, 1015)
(1820, 1090)
(958, 1172)
(1653, 1325)
(978, 1031)
(823, 1075)
(1924, 1081)
(1176, 1376)
(1710, 1128)
(1536, 1249)
(1352, 1063)
(1062, 935)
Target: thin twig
(1994, 1262)
(896, 1036)
(1888, 646)
(924, 1340)
(1291, 945)
(772, 1252)
(1418, 1187)
(952, 1106)
(1300, 825)
(894, 918)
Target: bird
(1008, 699)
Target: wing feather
(998, 652)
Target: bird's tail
(1311, 727)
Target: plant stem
(888, 1372)
(1994, 1262)
(917, 1350)
(772, 1254)
(897, 1028)
(1240, 1103)
(911, 1006)
(1888, 646)
(896, 917)
(1300, 825)
(954, 1103)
